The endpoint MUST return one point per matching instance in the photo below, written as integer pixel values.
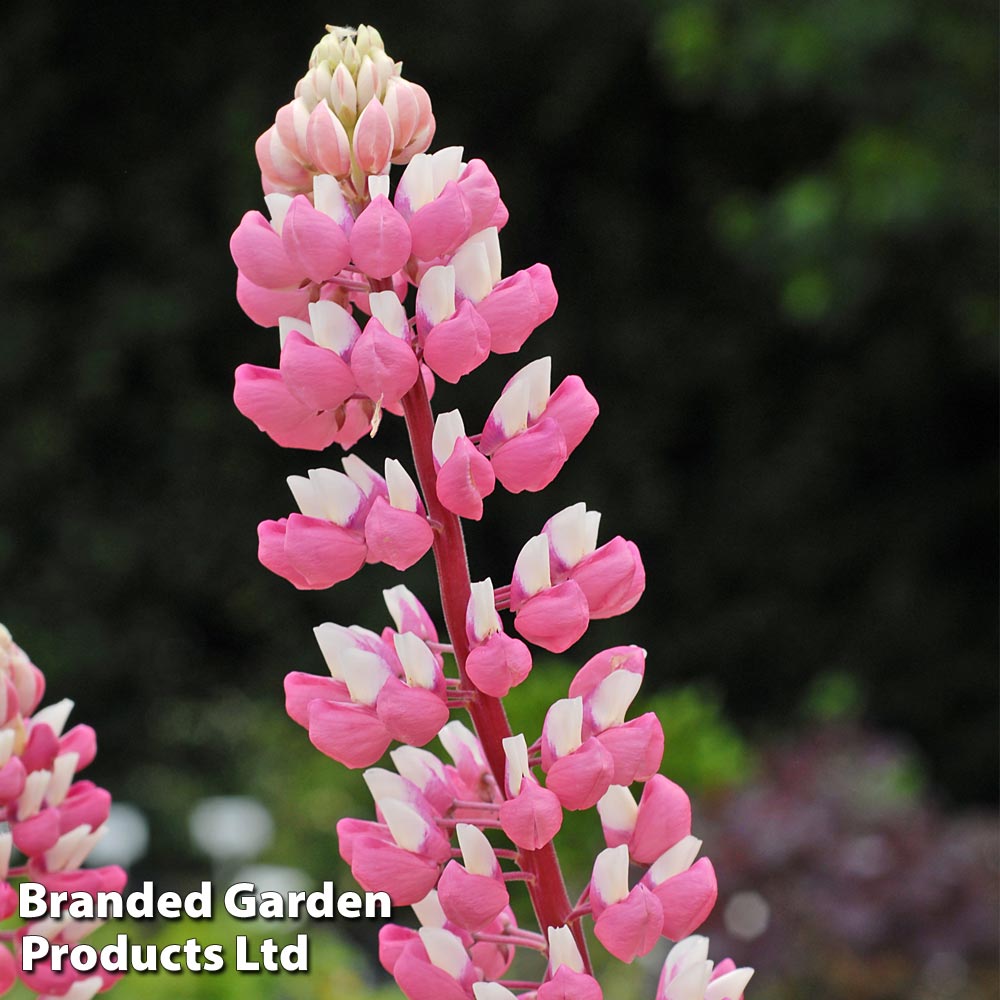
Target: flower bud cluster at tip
(50, 821)
(352, 115)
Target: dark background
(773, 232)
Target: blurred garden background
(773, 229)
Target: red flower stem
(548, 889)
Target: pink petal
(420, 980)
(380, 239)
(301, 689)
(457, 346)
(315, 244)
(510, 311)
(86, 804)
(41, 748)
(381, 866)
(12, 778)
(555, 618)
(500, 663)
(471, 901)
(81, 740)
(350, 831)
(350, 734)
(397, 537)
(574, 409)
(533, 817)
(327, 144)
(442, 225)
(569, 985)
(265, 305)
(384, 366)
(373, 140)
(261, 395)
(637, 748)
(260, 255)
(632, 927)
(480, 193)
(613, 578)
(271, 552)
(36, 835)
(532, 459)
(322, 552)
(411, 715)
(356, 422)
(464, 479)
(320, 378)
(579, 779)
(687, 899)
(392, 939)
(664, 818)
(602, 664)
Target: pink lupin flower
(551, 616)
(687, 889)
(455, 339)
(473, 894)
(466, 751)
(626, 921)
(578, 771)
(435, 966)
(525, 437)
(325, 543)
(464, 476)
(51, 819)
(567, 979)
(407, 863)
(413, 708)
(382, 360)
(408, 614)
(496, 661)
(306, 402)
(612, 577)
(396, 530)
(530, 815)
(660, 820)
(688, 974)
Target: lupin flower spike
(51, 819)
(332, 265)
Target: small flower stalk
(51, 822)
(380, 286)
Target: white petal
(54, 716)
(402, 492)
(572, 533)
(288, 323)
(428, 911)
(339, 495)
(618, 809)
(364, 674)
(408, 828)
(333, 326)
(329, 198)
(477, 852)
(448, 428)
(490, 239)
(538, 378)
(677, 859)
(564, 725)
(511, 410)
(417, 765)
(515, 748)
(378, 184)
(436, 293)
(446, 165)
(612, 698)
(417, 181)
(611, 874)
(277, 207)
(418, 661)
(485, 620)
(473, 276)
(384, 784)
(563, 950)
(730, 986)
(532, 566)
(362, 474)
(389, 311)
(396, 600)
(445, 950)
